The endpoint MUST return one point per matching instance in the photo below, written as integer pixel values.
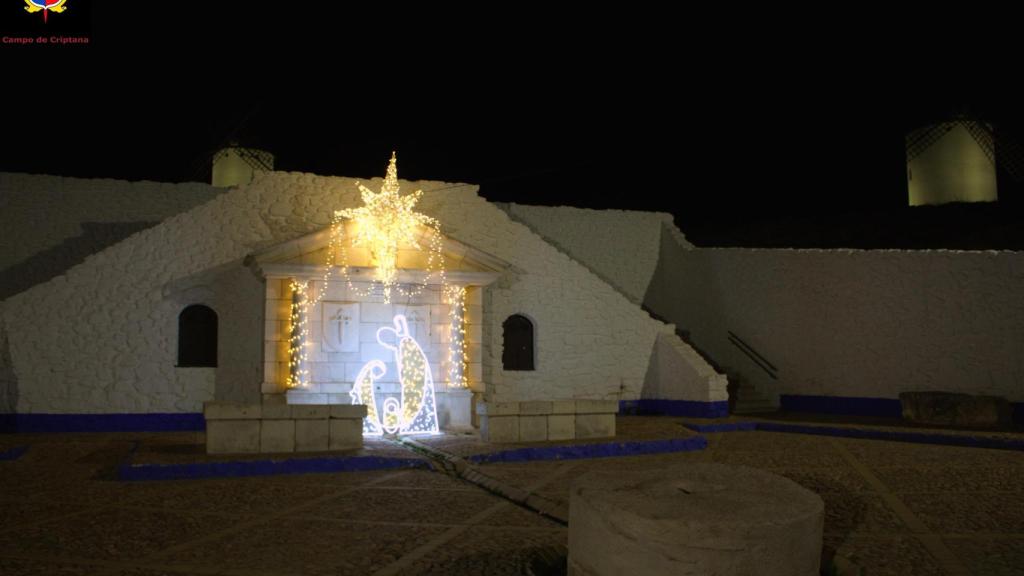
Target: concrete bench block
(597, 406)
(534, 408)
(533, 428)
(311, 412)
(499, 428)
(595, 425)
(232, 436)
(346, 434)
(312, 435)
(955, 409)
(563, 407)
(226, 411)
(348, 411)
(498, 408)
(277, 436)
(561, 427)
(277, 412)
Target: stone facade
(81, 215)
(101, 338)
(620, 246)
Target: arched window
(517, 353)
(197, 337)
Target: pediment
(307, 255)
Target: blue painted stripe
(722, 427)
(888, 407)
(152, 422)
(691, 408)
(897, 436)
(239, 468)
(606, 450)
(13, 453)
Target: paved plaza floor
(891, 508)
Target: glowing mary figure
(417, 412)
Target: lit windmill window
(197, 337)
(517, 353)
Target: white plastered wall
(102, 337)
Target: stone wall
(853, 323)
(620, 246)
(101, 338)
(82, 216)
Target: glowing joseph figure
(417, 412)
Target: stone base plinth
(693, 520)
(548, 420)
(277, 428)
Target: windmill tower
(234, 165)
(952, 161)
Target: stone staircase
(750, 400)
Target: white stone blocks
(561, 427)
(538, 421)
(277, 435)
(232, 436)
(346, 434)
(533, 428)
(225, 411)
(311, 435)
(310, 411)
(282, 428)
(595, 425)
(499, 428)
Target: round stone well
(694, 519)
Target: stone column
(298, 369)
(459, 397)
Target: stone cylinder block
(695, 519)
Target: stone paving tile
(18, 511)
(155, 452)
(772, 441)
(826, 480)
(428, 479)
(109, 534)
(779, 458)
(308, 546)
(850, 513)
(22, 567)
(520, 476)
(388, 505)
(885, 556)
(490, 551)
(989, 556)
(881, 453)
(234, 496)
(519, 517)
(952, 478)
(628, 429)
(968, 513)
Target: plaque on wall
(418, 318)
(341, 326)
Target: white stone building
(95, 345)
(103, 344)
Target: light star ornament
(385, 223)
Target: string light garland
(385, 224)
(458, 354)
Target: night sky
(719, 122)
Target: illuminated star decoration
(386, 222)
